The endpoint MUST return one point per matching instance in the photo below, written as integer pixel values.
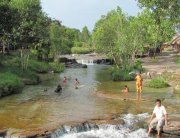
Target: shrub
(80, 50)
(57, 67)
(9, 83)
(121, 75)
(178, 61)
(138, 65)
(39, 67)
(158, 82)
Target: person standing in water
(76, 83)
(160, 118)
(65, 80)
(139, 81)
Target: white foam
(115, 131)
(110, 132)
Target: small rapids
(87, 130)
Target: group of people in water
(139, 81)
(159, 116)
(65, 81)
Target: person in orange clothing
(138, 85)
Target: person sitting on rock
(160, 119)
(125, 89)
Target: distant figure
(76, 83)
(58, 89)
(65, 80)
(149, 75)
(125, 89)
(160, 119)
(139, 81)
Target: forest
(30, 41)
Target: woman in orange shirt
(138, 85)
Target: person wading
(160, 118)
(139, 81)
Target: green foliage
(57, 67)
(39, 67)
(158, 82)
(80, 50)
(178, 61)
(9, 83)
(85, 35)
(119, 37)
(138, 66)
(121, 75)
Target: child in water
(76, 83)
(65, 80)
(125, 89)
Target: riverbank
(15, 75)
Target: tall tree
(85, 35)
(165, 14)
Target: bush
(57, 67)
(138, 66)
(158, 82)
(178, 61)
(39, 67)
(9, 83)
(121, 75)
(80, 50)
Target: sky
(80, 13)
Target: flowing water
(35, 107)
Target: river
(35, 107)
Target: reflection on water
(34, 107)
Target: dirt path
(161, 64)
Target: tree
(119, 37)
(164, 15)
(85, 35)
(55, 40)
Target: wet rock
(177, 88)
(173, 128)
(27, 81)
(59, 132)
(3, 132)
(83, 127)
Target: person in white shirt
(160, 118)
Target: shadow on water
(34, 107)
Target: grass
(80, 50)
(9, 83)
(158, 82)
(178, 61)
(121, 75)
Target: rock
(3, 132)
(177, 88)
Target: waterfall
(86, 62)
(89, 130)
